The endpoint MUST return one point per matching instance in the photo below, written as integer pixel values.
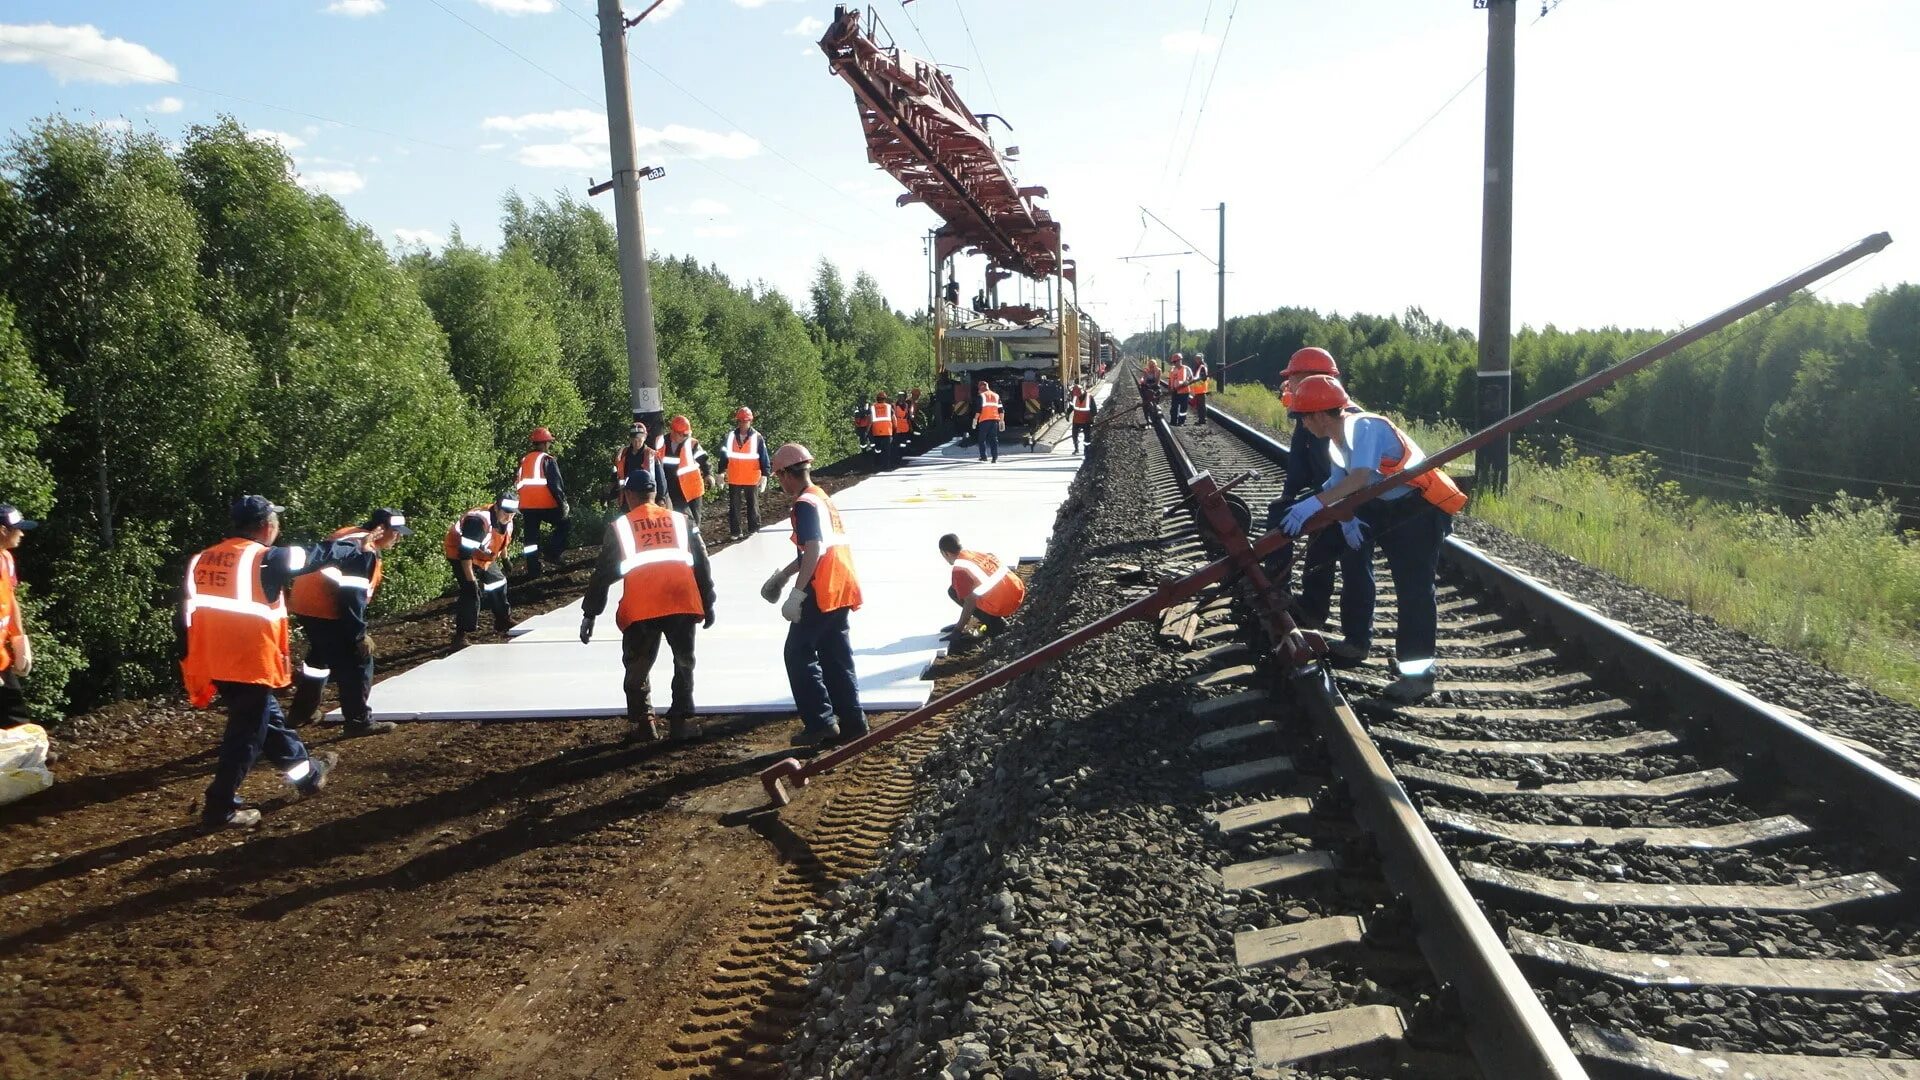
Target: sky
(1672, 156)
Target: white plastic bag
(23, 762)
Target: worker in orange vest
(637, 454)
(475, 541)
(881, 429)
(666, 587)
(16, 648)
(1197, 387)
(863, 423)
(987, 423)
(984, 589)
(234, 614)
(1151, 386)
(683, 468)
(331, 608)
(1080, 404)
(748, 464)
(1409, 523)
(1179, 376)
(543, 502)
(819, 649)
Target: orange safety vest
(11, 625)
(989, 405)
(1436, 487)
(233, 633)
(317, 595)
(861, 419)
(882, 419)
(1198, 387)
(685, 464)
(743, 458)
(531, 484)
(834, 584)
(484, 551)
(1082, 408)
(1178, 377)
(656, 566)
(995, 589)
(620, 461)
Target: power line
(1186, 94)
(1201, 115)
(984, 74)
(523, 57)
(1422, 126)
(1197, 249)
(911, 21)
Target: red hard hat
(743, 413)
(680, 426)
(540, 434)
(1319, 393)
(1174, 358)
(880, 396)
(983, 384)
(1312, 360)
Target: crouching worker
(1408, 523)
(665, 588)
(475, 542)
(234, 614)
(331, 607)
(984, 589)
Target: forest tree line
(1788, 408)
(181, 324)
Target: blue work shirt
(1371, 441)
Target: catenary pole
(1495, 377)
(1220, 344)
(636, 292)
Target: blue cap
(640, 482)
(250, 510)
(392, 519)
(14, 519)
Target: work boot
(459, 639)
(1408, 689)
(244, 817)
(815, 736)
(644, 731)
(680, 728)
(1346, 654)
(315, 782)
(353, 729)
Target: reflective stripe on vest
(233, 633)
(656, 566)
(686, 465)
(1435, 487)
(743, 460)
(531, 484)
(996, 590)
(1082, 406)
(482, 552)
(316, 595)
(882, 419)
(989, 405)
(1177, 378)
(834, 585)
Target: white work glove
(762, 486)
(770, 592)
(22, 650)
(790, 610)
(586, 629)
(1355, 533)
(1298, 513)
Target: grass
(1841, 585)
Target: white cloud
(569, 120)
(333, 181)
(287, 142)
(808, 26)
(1188, 42)
(518, 7)
(755, 3)
(586, 132)
(418, 238)
(560, 156)
(695, 142)
(493, 146)
(82, 53)
(118, 125)
(354, 9)
(666, 8)
(167, 105)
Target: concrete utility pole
(1496, 246)
(1220, 339)
(1179, 320)
(636, 293)
(1164, 350)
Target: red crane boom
(925, 137)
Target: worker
(1151, 387)
(748, 464)
(1308, 466)
(1198, 386)
(234, 615)
(1408, 523)
(666, 587)
(16, 648)
(1179, 380)
(987, 423)
(825, 591)
(1081, 405)
(475, 541)
(683, 468)
(543, 503)
(638, 454)
(863, 423)
(984, 589)
(953, 291)
(331, 608)
(1031, 410)
(881, 429)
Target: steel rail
(1507, 1027)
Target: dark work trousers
(1326, 552)
(989, 439)
(1408, 531)
(741, 496)
(1199, 408)
(255, 729)
(1179, 409)
(331, 652)
(1081, 431)
(552, 547)
(689, 508)
(819, 655)
(993, 623)
(900, 441)
(639, 645)
(488, 589)
(13, 702)
(889, 450)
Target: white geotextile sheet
(894, 521)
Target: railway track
(1622, 864)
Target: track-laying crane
(919, 130)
